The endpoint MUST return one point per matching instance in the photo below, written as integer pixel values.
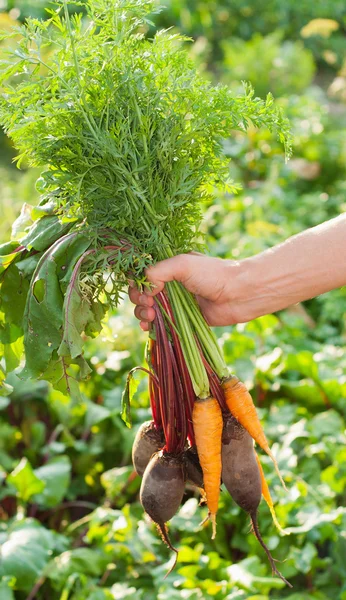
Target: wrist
(255, 288)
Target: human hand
(209, 279)
(304, 266)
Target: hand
(304, 266)
(208, 278)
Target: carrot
(266, 495)
(207, 424)
(240, 404)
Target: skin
(162, 487)
(228, 292)
(147, 441)
(240, 472)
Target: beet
(148, 440)
(194, 473)
(241, 476)
(162, 491)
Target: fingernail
(143, 299)
(143, 315)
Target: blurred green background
(71, 524)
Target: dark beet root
(162, 491)
(147, 441)
(241, 476)
(240, 472)
(194, 473)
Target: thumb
(178, 268)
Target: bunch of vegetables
(128, 137)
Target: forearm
(304, 266)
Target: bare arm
(304, 266)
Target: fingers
(178, 268)
(139, 298)
(144, 313)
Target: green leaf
(80, 560)
(25, 481)
(6, 588)
(303, 557)
(5, 388)
(14, 290)
(22, 222)
(5, 261)
(60, 373)
(55, 475)
(79, 315)
(326, 423)
(44, 232)
(96, 413)
(44, 307)
(243, 573)
(26, 552)
(312, 519)
(116, 480)
(126, 399)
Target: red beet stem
(166, 382)
(154, 391)
(179, 404)
(189, 395)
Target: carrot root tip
(276, 522)
(212, 517)
(203, 499)
(276, 467)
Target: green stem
(191, 353)
(197, 325)
(205, 335)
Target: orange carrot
(240, 404)
(266, 495)
(207, 424)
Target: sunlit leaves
(25, 481)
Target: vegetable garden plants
(129, 140)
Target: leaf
(315, 518)
(6, 588)
(126, 399)
(55, 475)
(80, 560)
(244, 574)
(96, 413)
(25, 481)
(5, 388)
(60, 374)
(8, 255)
(44, 307)
(303, 557)
(79, 315)
(45, 232)
(22, 222)
(117, 480)
(326, 423)
(26, 552)
(13, 296)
